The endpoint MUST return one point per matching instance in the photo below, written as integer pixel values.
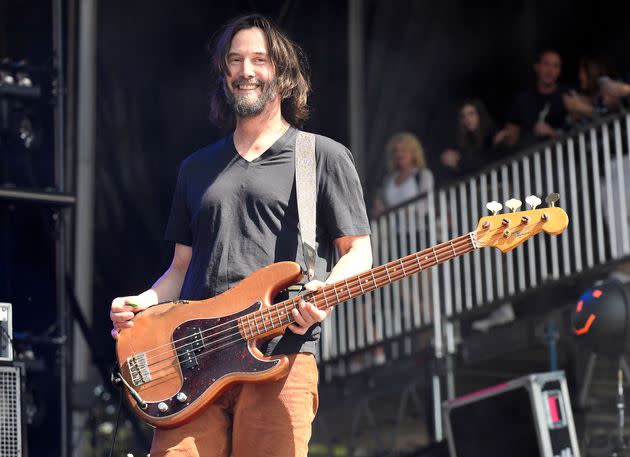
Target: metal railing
(588, 167)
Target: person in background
(589, 102)
(474, 146)
(615, 93)
(538, 113)
(409, 176)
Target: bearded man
(235, 211)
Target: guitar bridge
(187, 353)
(139, 370)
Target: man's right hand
(123, 311)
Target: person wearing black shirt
(537, 113)
(235, 211)
(473, 148)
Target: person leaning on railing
(590, 101)
(473, 147)
(409, 176)
(616, 93)
(537, 113)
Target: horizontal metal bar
(42, 197)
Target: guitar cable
(111, 450)
(118, 380)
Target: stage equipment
(600, 319)
(11, 414)
(6, 333)
(17, 93)
(15, 80)
(526, 417)
(600, 324)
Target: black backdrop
(421, 59)
(153, 111)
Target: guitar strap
(306, 193)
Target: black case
(525, 417)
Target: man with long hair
(234, 211)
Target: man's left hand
(306, 314)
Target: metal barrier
(589, 168)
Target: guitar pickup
(187, 353)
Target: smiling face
(250, 85)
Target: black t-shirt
(240, 216)
(530, 107)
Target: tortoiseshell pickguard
(224, 352)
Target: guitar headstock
(506, 231)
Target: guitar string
(396, 275)
(442, 247)
(412, 258)
(446, 244)
(464, 239)
(231, 342)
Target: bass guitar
(180, 356)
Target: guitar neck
(272, 318)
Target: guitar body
(166, 358)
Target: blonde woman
(408, 176)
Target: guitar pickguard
(208, 350)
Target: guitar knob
(182, 397)
(513, 204)
(533, 201)
(494, 207)
(552, 198)
(162, 407)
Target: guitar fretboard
(279, 315)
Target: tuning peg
(533, 201)
(494, 207)
(513, 204)
(552, 198)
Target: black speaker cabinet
(526, 417)
(12, 426)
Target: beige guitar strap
(306, 193)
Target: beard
(244, 105)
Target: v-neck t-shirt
(240, 215)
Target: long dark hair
(290, 65)
(476, 138)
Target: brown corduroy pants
(251, 420)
